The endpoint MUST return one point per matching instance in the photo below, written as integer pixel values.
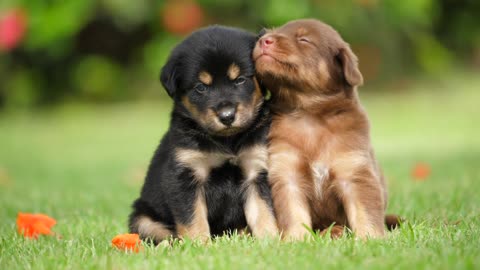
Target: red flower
(13, 25)
(182, 16)
(32, 225)
(129, 241)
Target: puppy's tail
(393, 221)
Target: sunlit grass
(84, 165)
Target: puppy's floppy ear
(349, 63)
(168, 77)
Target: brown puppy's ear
(349, 62)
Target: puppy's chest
(251, 160)
(308, 134)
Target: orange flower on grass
(129, 241)
(421, 171)
(32, 225)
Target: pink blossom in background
(13, 25)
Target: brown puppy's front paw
(299, 233)
(268, 231)
(369, 233)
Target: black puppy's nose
(226, 114)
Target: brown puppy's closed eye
(321, 164)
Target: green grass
(83, 165)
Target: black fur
(169, 190)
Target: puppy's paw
(297, 234)
(365, 234)
(269, 231)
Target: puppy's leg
(259, 213)
(258, 197)
(363, 203)
(196, 226)
(148, 223)
(289, 200)
(149, 229)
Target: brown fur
(322, 168)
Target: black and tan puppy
(208, 176)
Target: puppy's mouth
(265, 55)
(270, 57)
(238, 126)
(228, 131)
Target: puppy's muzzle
(226, 113)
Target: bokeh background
(104, 51)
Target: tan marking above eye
(205, 77)
(233, 71)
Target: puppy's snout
(266, 42)
(226, 113)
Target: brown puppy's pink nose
(266, 41)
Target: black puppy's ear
(168, 77)
(349, 63)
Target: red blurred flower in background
(13, 25)
(182, 16)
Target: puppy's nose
(266, 41)
(226, 114)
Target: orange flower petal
(48, 221)
(32, 225)
(129, 241)
(41, 228)
(421, 171)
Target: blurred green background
(99, 51)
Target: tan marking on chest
(251, 160)
(201, 163)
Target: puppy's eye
(303, 39)
(240, 80)
(200, 87)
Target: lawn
(84, 165)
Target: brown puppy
(321, 166)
